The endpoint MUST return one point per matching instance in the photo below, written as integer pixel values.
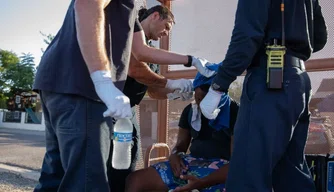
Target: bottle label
(122, 137)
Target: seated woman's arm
(183, 141)
(182, 144)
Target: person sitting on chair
(210, 142)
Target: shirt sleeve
(184, 119)
(138, 26)
(247, 37)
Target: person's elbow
(152, 94)
(319, 44)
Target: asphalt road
(10, 182)
(22, 148)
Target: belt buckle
(302, 65)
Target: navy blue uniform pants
(79, 146)
(270, 135)
(78, 140)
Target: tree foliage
(21, 75)
(17, 73)
(7, 58)
(47, 39)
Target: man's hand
(176, 164)
(200, 64)
(184, 85)
(118, 104)
(209, 105)
(193, 183)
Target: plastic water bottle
(121, 157)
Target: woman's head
(200, 92)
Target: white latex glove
(118, 104)
(209, 105)
(183, 85)
(184, 96)
(200, 64)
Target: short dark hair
(163, 11)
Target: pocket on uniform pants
(68, 122)
(66, 112)
(254, 85)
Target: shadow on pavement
(22, 137)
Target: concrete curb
(25, 173)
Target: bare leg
(145, 180)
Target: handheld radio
(275, 61)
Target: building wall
(204, 29)
(22, 123)
(327, 9)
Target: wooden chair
(149, 150)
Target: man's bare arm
(143, 52)
(142, 73)
(158, 93)
(90, 21)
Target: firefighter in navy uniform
(271, 40)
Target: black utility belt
(275, 68)
(293, 62)
(289, 61)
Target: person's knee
(145, 180)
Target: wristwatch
(181, 153)
(190, 61)
(178, 153)
(215, 87)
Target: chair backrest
(149, 150)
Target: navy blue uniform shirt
(62, 68)
(257, 22)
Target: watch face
(215, 86)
